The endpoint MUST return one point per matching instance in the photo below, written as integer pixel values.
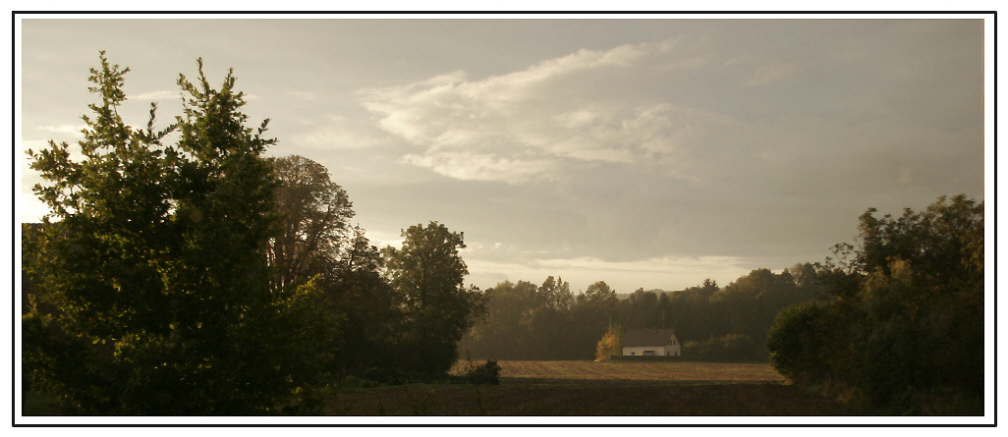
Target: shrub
(487, 373)
(795, 343)
(731, 347)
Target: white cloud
(31, 210)
(74, 129)
(382, 239)
(336, 133)
(650, 265)
(522, 125)
(480, 167)
(667, 273)
(157, 95)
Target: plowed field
(586, 388)
(651, 371)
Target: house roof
(647, 337)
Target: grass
(586, 388)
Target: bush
(487, 373)
(797, 342)
(731, 347)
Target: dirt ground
(585, 388)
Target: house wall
(676, 350)
(639, 350)
(676, 347)
(672, 350)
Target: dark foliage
(151, 288)
(202, 278)
(903, 333)
(729, 348)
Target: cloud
(74, 129)
(336, 133)
(157, 95)
(301, 95)
(176, 94)
(667, 273)
(480, 167)
(30, 210)
(523, 125)
(382, 239)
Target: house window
(648, 353)
(633, 353)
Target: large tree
(555, 294)
(154, 282)
(428, 273)
(99, 259)
(316, 215)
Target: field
(586, 388)
(638, 371)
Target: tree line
(548, 322)
(199, 277)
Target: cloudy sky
(648, 153)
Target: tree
(556, 294)
(506, 330)
(355, 288)
(690, 311)
(428, 273)
(156, 267)
(800, 343)
(904, 329)
(729, 348)
(111, 226)
(641, 310)
(550, 325)
(943, 243)
(593, 311)
(316, 216)
(611, 344)
(749, 304)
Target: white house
(651, 342)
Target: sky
(646, 153)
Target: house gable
(647, 342)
